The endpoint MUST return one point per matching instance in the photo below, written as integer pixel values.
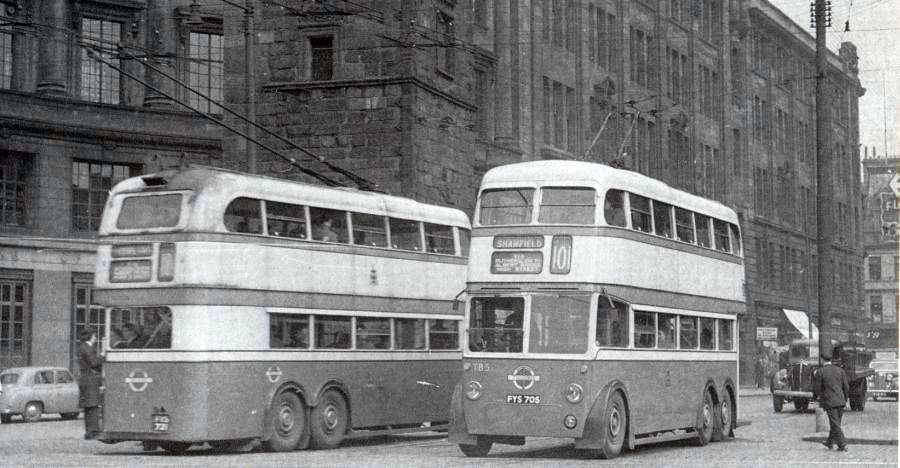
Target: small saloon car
(34, 391)
(883, 383)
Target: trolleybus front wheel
(329, 420)
(480, 449)
(287, 419)
(615, 426)
(706, 421)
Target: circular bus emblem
(523, 377)
(138, 380)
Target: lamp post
(249, 77)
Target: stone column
(503, 132)
(54, 60)
(161, 36)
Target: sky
(875, 30)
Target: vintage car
(795, 383)
(883, 383)
(34, 391)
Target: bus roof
(570, 173)
(231, 184)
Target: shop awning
(800, 321)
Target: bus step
(663, 437)
(388, 430)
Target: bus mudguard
(292, 387)
(592, 436)
(328, 385)
(458, 432)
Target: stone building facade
(882, 259)
(715, 97)
(70, 127)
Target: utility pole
(250, 85)
(824, 180)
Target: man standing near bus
(832, 389)
(89, 382)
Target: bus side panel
(662, 395)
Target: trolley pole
(824, 184)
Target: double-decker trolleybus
(245, 308)
(602, 307)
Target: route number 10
(561, 255)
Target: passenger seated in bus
(127, 336)
(300, 338)
(297, 233)
(614, 209)
(322, 231)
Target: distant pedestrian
(89, 382)
(760, 371)
(832, 389)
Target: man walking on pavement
(832, 389)
(89, 382)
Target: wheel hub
(330, 417)
(615, 422)
(286, 418)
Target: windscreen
(495, 324)
(886, 365)
(559, 324)
(150, 211)
(506, 206)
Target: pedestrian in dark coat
(89, 382)
(832, 389)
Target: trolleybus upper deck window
(369, 229)
(662, 218)
(559, 324)
(439, 239)
(684, 225)
(286, 220)
(329, 225)
(405, 234)
(702, 222)
(150, 211)
(614, 208)
(720, 229)
(640, 213)
(244, 215)
(567, 205)
(506, 206)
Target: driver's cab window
(496, 324)
(612, 322)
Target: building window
(875, 268)
(321, 50)
(641, 44)
(446, 58)
(875, 308)
(14, 320)
(86, 316)
(15, 189)
(100, 82)
(480, 12)
(206, 71)
(6, 40)
(91, 183)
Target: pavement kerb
(851, 440)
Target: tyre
(33, 411)
(480, 449)
(777, 403)
(614, 428)
(705, 421)
(329, 420)
(5, 418)
(69, 416)
(801, 405)
(175, 447)
(726, 416)
(874, 397)
(287, 424)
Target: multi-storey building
(72, 124)
(882, 259)
(423, 97)
(711, 96)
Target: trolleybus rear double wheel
(705, 420)
(480, 449)
(614, 428)
(727, 415)
(287, 420)
(173, 446)
(329, 420)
